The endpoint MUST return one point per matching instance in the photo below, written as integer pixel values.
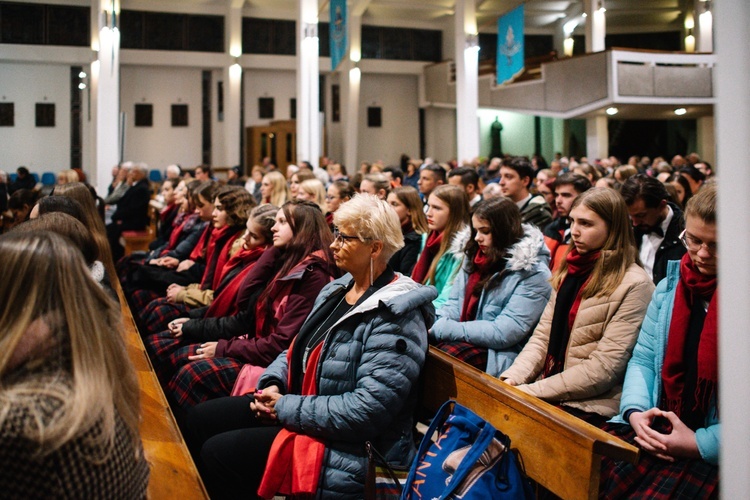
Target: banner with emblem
(338, 32)
(510, 46)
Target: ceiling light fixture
(612, 111)
(680, 111)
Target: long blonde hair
(618, 252)
(280, 194)
(45, 279)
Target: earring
(371, 270)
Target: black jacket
(671, 247)
(405, 259)
(132, 209)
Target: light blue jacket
(367, 383)
(507, 313)
(643, 384)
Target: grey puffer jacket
(367, 383)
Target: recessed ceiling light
(680, 111)
(612, 111)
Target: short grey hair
(372, 219)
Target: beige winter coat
(601, 342)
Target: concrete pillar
(308, 72)
(467, 76)
(596, 25)
(732, 138)
(105, 92)
(232, 74)
(558, 38)
(351, 78)
(597, 138)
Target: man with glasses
(657, 223)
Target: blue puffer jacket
(367, 382)
(643, 384)
(507, 313)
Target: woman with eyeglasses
(578, 352)
(276, 297)
(350, 375)
(670, 398)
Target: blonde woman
(313, 190)
(69, 398)
(273, 189)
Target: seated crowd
(288, 316)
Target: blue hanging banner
(338, 32)
(510, 53)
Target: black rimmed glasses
(694, 244)
(341, 238)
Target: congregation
(288, 314)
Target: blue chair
(36, 177)
(154, 175)
(48, 179)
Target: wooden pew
(560, 452)
(173, 472)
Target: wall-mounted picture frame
(7, 114)
(45, 114)
(374, 116)
(144, 115)
(265, 108)
(179, 115)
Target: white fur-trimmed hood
(459, 241)
(527, 253)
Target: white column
(232, 75)
(467, 75)
(705, 26)
(597, 138)
(732, 138)
(596, 25)
(308, 102)
(351, 78)
(105, 80)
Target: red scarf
(431, 248)
(217, 254)
(199, 250)
(295, 460)
(471, 300)
(692, 287)
(225, 302)
(567, 303)
(167, 211)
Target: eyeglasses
(341, 238)
(693, 244)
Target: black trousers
(229, 445)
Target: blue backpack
(469, 460)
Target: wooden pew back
(560, 452)
(173, 472)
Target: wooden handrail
(559, 451)
(173, 472)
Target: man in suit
(657, 223)
(132, 209)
